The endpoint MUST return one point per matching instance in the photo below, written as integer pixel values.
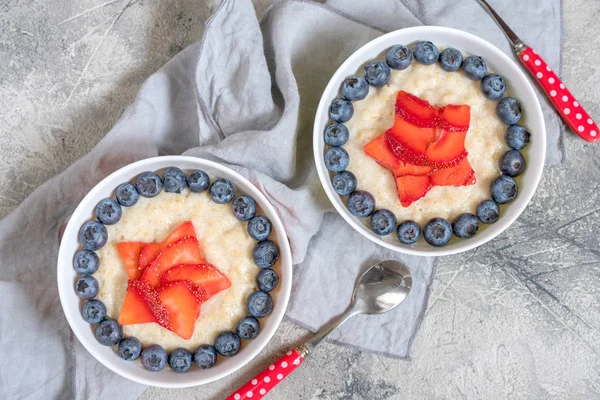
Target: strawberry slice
(412, 136)
(455, 118)
(379, 149)
(448, 150)
(182, 251)
(130, 254)
(148, 254)
(416, 110)
(411, 188)
(461, 175)
(142, 305)
(151, 251)
(182, 299)
(205, 275)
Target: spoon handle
(264, 382)
(565, 103)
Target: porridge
(224, 243)
(484, 141)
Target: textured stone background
(517, 318)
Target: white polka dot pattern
(264, 382)
(560, 96)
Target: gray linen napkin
(245, 96)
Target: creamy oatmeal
(484, 141)
(224, 242)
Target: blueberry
(93, 235)
(377, 73)
(86, 262)
(221, 191)
(244, 207)
(465, 226)
(344, 183)
(408, 232)
(512, 163)
(336, 135)
(265, 253)
(399, 57)
(198, 181)
(86, 287)
(488, 211)
(259, 304)
(509, 110)
(180, 360)
(130, 348)
(127, 195)
(174, 180)
(437, 232)
(248, 328)
(259, 227)
(93, 311)
(474, 67)
(227, 343)
(426, 53)
(355, 88)
(517, 137)
(148, 184)
(341, 110)
(450, 59)
(205, 356)
(337, 159)
(154, 358)
(109, 332)
(108, 211)
(267, 279)
(504, 189)
(493, 86)
(383, 222)
(361, 204)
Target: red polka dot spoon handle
(379, 289)
(569, 109)
(262, 383)
(567, 106)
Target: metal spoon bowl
(379, 289)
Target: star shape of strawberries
(168, 281)
(425, 147)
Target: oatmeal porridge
(484, 141)
(225, 244)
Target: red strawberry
(455, 117)
(142, 304)
(205, 275)
(416, 110)
(448, 150)
(412, 136)
(182, 299)
(379, 149)
(130, 254)
(182, 251)
(461, 175)
(411, 188)
(151, 251)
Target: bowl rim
(534, 171)
(64, 268)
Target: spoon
(565, 103)
(380, 289)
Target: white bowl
(535, 152)
(85, 332)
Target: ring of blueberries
(93, 236)
(438, 231)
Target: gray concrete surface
(516, 318)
